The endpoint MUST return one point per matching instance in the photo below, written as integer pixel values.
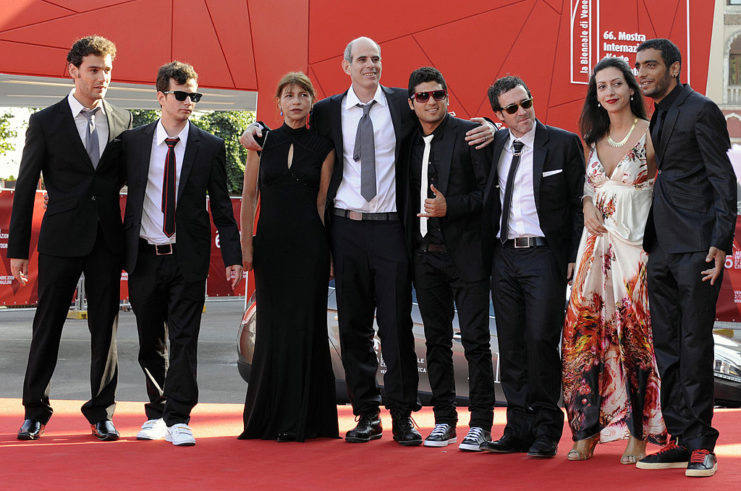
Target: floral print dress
(610, 381)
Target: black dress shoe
(543, 447)
(368, 428)
(506, 444)
(104, 430)
(404, 431)
(286, 437)
(31, 429)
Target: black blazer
(80, 196)
(694, 200)
(326, 118)
(203, 171)
(462, 176)
(558, 195)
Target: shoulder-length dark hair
(594, 122)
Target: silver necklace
(622, 142)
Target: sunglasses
(438, 95)
(181, 95)
(513, 108)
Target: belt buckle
(521, 242)
(355, 215)
(166, 249)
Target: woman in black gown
(291, 391)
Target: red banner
(217, 285)
(728, 307)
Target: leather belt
(157, 250)
(361, 216)
(432, 248)
(526, 242)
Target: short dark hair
(669, 51)
(594, 123)
(425, 74)
(176, 70)
(502, 85)
(90, 45)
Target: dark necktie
(509, 189)
(92, 146)
(365, 151)
(168, 189)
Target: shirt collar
(667, 101)
(77, 107)
(160, 133)
(528, 138)
(352, 99)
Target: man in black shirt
(447, 179)
(688, 234)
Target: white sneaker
(181, 435)
(476, 436)
(153, 429)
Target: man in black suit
(443, 224)
(171, 166)
(80, 233)
(533, 222)
(367, 124)
(688, 234)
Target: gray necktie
(91, 136)
(365, 151)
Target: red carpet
(68, 457)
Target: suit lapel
(443, 154)
(395, 111)
(69, 128)
(141, 161)
(539, 153)
(671, 118)
(116, 125)
(336, 124)
(191, 151)
(500, 138)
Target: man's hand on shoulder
(482, 135)
(248, 137)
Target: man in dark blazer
(688, 234)
(443, 224)
(80, 233)
(168, 247)
(533, 222)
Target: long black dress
(292, 387)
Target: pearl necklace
(622, 142)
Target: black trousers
(682, 316)
(372, 273)
(438, 286)
(529, 295)
(57, 281)
(167, 308)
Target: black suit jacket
(462, 176)
(203, 171)
(80, 196)
(694, 201)
(326, 118)
(558, 179)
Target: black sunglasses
(438, 95)
(513, 108)
(181, 95)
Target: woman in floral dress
(610, 381)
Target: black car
(727, 365)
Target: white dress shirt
(152, 216)
(348, 194)
(523, 218)
(101, 121)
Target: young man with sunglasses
(171, 167)
(70, 144)
(532, 224)
(443, 225)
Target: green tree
(229, 126)
(6, 133)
